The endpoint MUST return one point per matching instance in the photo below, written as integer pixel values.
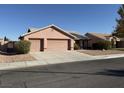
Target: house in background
(96, 37)
(3, 44)
(6, 45)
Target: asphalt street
(107, 73)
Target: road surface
(89, 74)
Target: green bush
(102, 45)
(22, 47)
(76, 46)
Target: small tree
(22, 47)
(6, 39)
(29, 30)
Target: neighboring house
(96, 37)
(6, 46)
(49, 38)
(3, 45)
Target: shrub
(22, 47)
(102, 45)
(76, 46)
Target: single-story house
(54, 38)
(96, 37)
(49, 38)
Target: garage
(36, 45)
(57, 45)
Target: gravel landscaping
(16, 58)
(101, 52)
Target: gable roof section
(79, 36)
(34, 30)
(100, 35)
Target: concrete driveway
(61, 57)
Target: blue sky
(16, 19)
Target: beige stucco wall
(49, 33)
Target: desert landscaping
(16, 58)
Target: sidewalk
(16, 65)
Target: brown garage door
(57, 45)
(36, 45)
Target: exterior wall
(72, 44)
(93, 40)
(49, 33)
